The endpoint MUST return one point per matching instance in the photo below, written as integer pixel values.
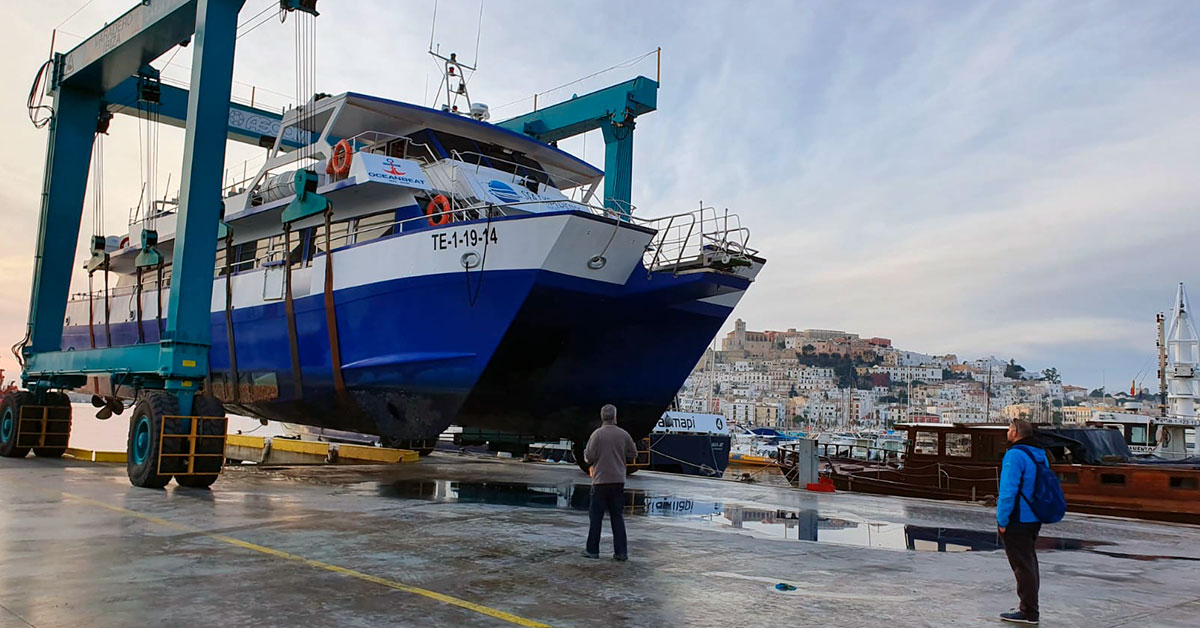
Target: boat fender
(438, 211)
(339, 161)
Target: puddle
(744, 518)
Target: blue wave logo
(503, 191)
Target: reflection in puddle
(754, 520)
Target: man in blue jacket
(1019, 526)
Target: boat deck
(455, 540)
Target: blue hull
(536, 354)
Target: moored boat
(1098, 473)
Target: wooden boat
(1097, 472)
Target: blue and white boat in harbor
(464, 276)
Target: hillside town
(822, 379)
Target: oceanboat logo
(391, 168)
(503, 191)
(383, 169)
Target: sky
(981, 178)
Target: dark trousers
(608, 498)
(1020, 543)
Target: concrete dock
(457, 540)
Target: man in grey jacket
(607, 451)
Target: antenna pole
(433, 25)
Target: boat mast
(987, 395)
(1162, 365)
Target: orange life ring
(438, 211)
(339, 161)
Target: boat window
(376, 226)
(1137, 435)
(338, 234)
(301, 251)
(1184, 482)
(1112, 478)
(926, 444)
(484, 154)
(958, 445)
(1068, 477)
(244, 254)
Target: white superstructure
(1183, 388)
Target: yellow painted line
(241, 440)
(391, 584)
(300, 446)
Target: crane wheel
(207, 406)
(143, 446)
(61, 400)
(10, 413)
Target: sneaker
(620, 557)
(587, 554)
(1017, 617)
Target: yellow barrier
(88, 455)
(241, 440)
(375, 455)
(300, 446)
(288, 451)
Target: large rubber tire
(205, 406)
(145, 427)
(54, 399)
(10, 413)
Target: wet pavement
(755, 520)
(469, 541)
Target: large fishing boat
(464, 275)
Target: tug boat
(464, 276)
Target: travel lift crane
(175, 431)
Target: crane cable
(306, 76)
(98, 230)
(40, 114)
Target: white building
(910, 373)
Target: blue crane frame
(80, 80)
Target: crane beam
(247, 124)
(126, 44)
(613, 110)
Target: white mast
(1183, 356)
